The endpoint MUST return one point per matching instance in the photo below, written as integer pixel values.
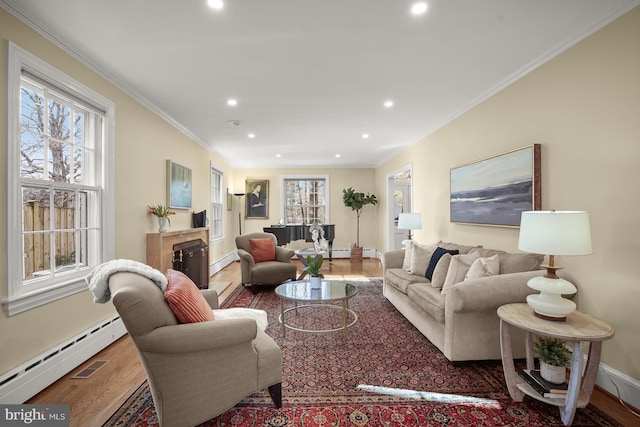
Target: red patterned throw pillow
(185, 299)
(262, 250)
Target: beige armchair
(266, 272)
(195, 371)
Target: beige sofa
(461, 322)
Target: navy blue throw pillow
(437, 254)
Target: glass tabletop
(329, 290)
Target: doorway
(400, 200)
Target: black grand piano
(290, 233)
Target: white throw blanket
(98, 279)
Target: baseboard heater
(27, 380)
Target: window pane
(31, 111)
(77, 165)
(79, 118)
(64, 215)
(31, 155)
(65, 248)
(36, 255)
(59, 161)
(58, 120)
(35, 204)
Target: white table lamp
(554, 233)
(409, 221)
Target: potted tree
(313, 269)
(356, 201)
(554, 358)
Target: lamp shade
(555, 232)
(410, 221)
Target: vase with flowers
(163, 213)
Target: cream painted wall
(144, 142)
(344, 218)
(584, 108)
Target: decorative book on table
(542, 386)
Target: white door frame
(390, 200)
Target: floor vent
(89, 370)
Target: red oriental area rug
(383, 373)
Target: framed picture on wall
(257, 198)
(496, 190)
(178, 186)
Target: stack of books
(542, 386)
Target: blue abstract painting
(495, 191)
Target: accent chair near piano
(257, 268)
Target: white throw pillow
(484, 267)
(458, 268)
(406, 264)
(420, 257)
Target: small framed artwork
(495, 191)
(178, 186)
(257, 198)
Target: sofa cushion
(440, 272)
(429, 299)
(458, 268)
(400, 279)
(420, 256)
(485, 252)
(185, 299)
(262, 250)
(516, 263)
(463, 249)
(406, 263)
(483, 267)
(437, 254)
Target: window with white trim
(306, 199)
(217, 203)
(60, 180)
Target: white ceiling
(311, 76)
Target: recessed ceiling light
(388, 104)
(278, 155)
(365, 135)
(215, 4)
(232, 102)
(337, 155)
(252, 135)
(418, 8)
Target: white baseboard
(628, 387)
(221, 263)
(27, 380)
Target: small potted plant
(554, 359)
(313, 269)
(162, 212)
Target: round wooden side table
(579, 328)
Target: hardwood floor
(93, 400)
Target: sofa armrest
(284, 254)
(392, 259)
(212, 298)
(489, 293)
(202, 336)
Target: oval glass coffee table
(307, 297)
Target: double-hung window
(306, 199)
(60, 182)
(217, 202)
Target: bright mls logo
(34, 415)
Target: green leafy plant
(552, 351)
(160, 211)
(313, 266)
(356, 201)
